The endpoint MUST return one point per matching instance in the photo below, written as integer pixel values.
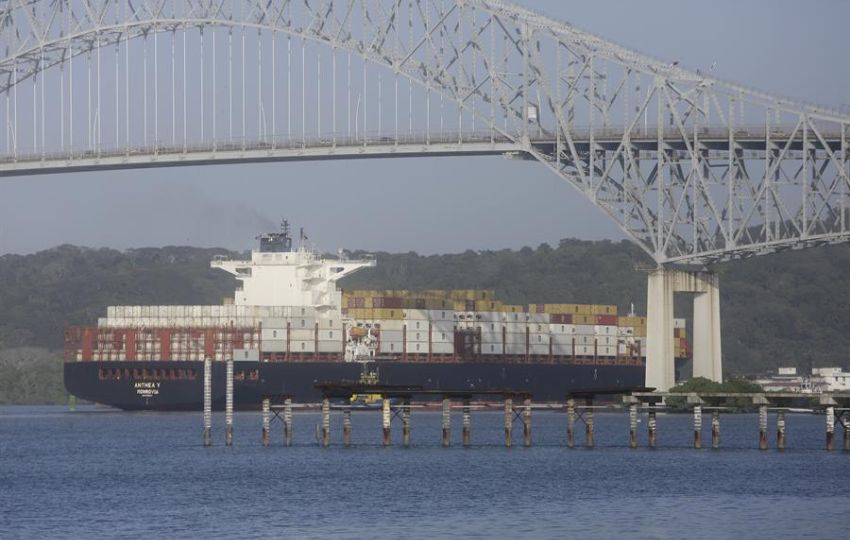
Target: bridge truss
(693, 169)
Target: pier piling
(633, 414)
(571, 423)
(847, 435)
(228, 404)
(287, 422)
(830, 428)
(780, 430)
(588, 423)
(405, 423)
(326, 422)
(385, 421)
(467, 424)
(526, 423)
(207, 402)
(266, 420)
(509, 422)
(697, 427)
(763, 427)
(715, 429)
(447, 420)
(651, 425)
(346, 425)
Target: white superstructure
(279, 275)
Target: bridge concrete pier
(662, 284)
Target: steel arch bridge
(695, 170)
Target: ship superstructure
(289, 327)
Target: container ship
(288, 327)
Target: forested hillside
(786, 309)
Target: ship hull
(178, 385)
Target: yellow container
(603, 309)
(640, 331)
(581, 318)
(391, 314)
(583, 309)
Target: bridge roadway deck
(377, 146)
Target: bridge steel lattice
(695, 170)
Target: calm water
(99, 473)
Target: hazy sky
(787, 47)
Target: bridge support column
(660, 368)
(662, 284)
(707, 360)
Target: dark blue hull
(178, 385)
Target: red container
(561, 318)
(606, 320)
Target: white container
(416, 315)
(302, 346)
(491, 348)
(442, 348)
(563, 340)
(584, 350)
(332, 323)
(517, 317)
(417, 337)
(605, 330)
(679, 323)
(538, 318)
(301, 335)
(562, 329)
(243, 355)
(330, 346)
(441, 315)
(538, 338)
(392, 335)
(515, 348)
(417, 347)
(417, 325)
(274, 322)
(391, 347)
(303, 322)
(538, 349)
(274, 345)
(489, 316)
(392, 325)
(330, 335)
(606, 341)
(606, 351)
(440, 336)
(273, 334)
(585, 329)
(562, 350)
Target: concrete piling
(228, 405)
(467, 424)
(633, 417)
(509, 422)
(780, 430)
(571, 423)
(287, 422)
(207, 402)
(405, 423)
(697, 427)
(447, 420)
(763, 427)
(588, 423)
(830, 428)
(651, 428)
(526, 422)
(385, 421)
(715, 429)
(847, 435)
(346, 425)
(326, 422)
(266, 420)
